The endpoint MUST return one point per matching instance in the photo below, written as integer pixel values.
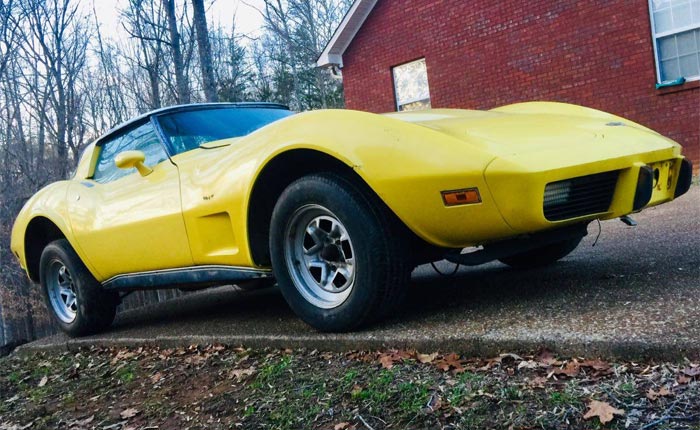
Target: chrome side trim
(184, 276)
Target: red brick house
(639, 59)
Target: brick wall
(483, 53)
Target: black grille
(580, 196)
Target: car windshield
(188, 130)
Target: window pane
(689, 65)
(686, 43)
(660, 4)
(146, 140)
(695, 6)
(670, 70)
(663, 21)
(411, 84)
(681, 15)
(142, 138)
(667, 48)
(189, 129)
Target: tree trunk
(183, 92)
(202, 34)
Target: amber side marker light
(467, 196)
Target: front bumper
(532, 201)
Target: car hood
(516, 136)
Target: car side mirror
(133, 159)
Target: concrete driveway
(636, 293)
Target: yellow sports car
(335, 206)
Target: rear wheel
(75, 299)
(338, 256)
(543, 256)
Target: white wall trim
(332, 55)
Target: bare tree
(204, 47)
(231, 67)
(296, 32)
(183, 91)
(57, 43)
(106, 83)
(145, 23)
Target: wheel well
(40, 232)
(272, 181)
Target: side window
(142, 138)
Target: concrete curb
(484, 346)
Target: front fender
(49, 203)
(407, 166)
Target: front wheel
(337, 254)
(75, 299)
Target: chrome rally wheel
(73, 296)
(337, 253)
(320, 256)
(61, 291)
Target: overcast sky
(248, 19)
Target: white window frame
(655, 41)
(396, 93)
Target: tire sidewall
(360, 222)
(84, 284)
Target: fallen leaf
(538, 382)
(43, 381)
(653, 395)
(692, 371)
(157, 377)
(124, 354)
(449, 361)
(387, 361)
(682, 379)
(603, 411)
(596, 364)
(80, 423)
(509, 357)
(571, 369)
(529, 364)
(547, 358)
(427, 358)
(240, 373)
(129, 413)
(342, 426)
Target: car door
(125, 222)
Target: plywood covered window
(411, 86)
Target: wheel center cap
(331, 253)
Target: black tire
(371, 255)
(542, 256)
(61, 270)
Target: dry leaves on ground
(653, 395)
(603, 411)
(129, 413)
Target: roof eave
(332, 55)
